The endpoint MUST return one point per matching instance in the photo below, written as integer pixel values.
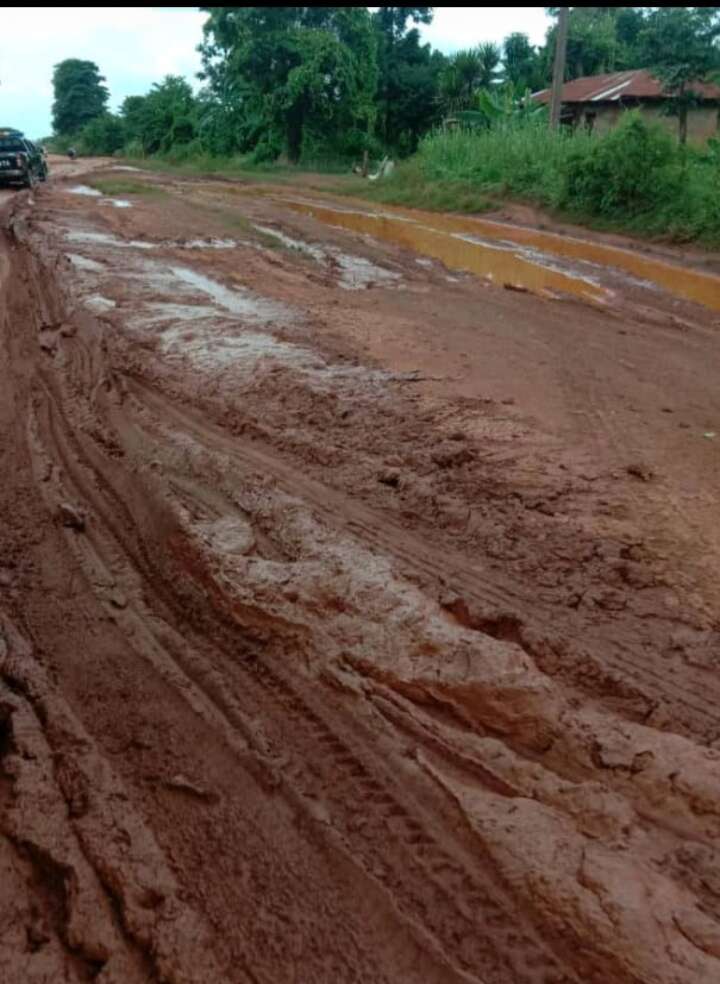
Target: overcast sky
(136, 46)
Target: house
(597, 102)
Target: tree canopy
(310, 82)
(80, 95)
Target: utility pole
(559, 68)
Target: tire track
(691, 705)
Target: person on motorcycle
(72, 153)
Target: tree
(680, 44)
(80, 95)
(163, 119)
(521, 63)
(103, 135)
(308, 75)
(489, 59)
(465, 73)
(407, 77)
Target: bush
(635, 177)
(517, 158)
(103, 135)
(625, 173)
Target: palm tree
(489, 57)
(465, 73)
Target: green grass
(239, 168)
(408, 186)
(634, 179)
(126, 186)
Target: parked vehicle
(21, 162)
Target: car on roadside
(21, 162)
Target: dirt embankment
(357, 616)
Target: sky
(136, 46)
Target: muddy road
(358, 594)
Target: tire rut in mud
(308, 732)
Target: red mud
(358, 617)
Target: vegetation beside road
(319, 88)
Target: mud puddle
(85, 190)
(237, 302)
(523, 257)
(105, 239)
(356, 272)
(500, 263)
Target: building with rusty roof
(597, 102)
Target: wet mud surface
(358, 606)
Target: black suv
(21, 162)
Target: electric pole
(559, 68)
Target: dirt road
(358, 612)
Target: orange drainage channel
(457, 250)
(704, 288)
(414, 228)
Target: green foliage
(623, 173)
(680, 45)
(407, 78)
(522, 64)
(126, 186)
(517, 158)
(319, 86)
(304, 74)
(164, 119)
(635, 177)
(104, 135)
(465, 74)
(80, 95)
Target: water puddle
(239, 302)
(118, 202)
(498, 261)
(161, 311)
(83, 263)
(99, 304)
(530, 258)
(124, 167)
(206, 244)
(356, 273)
(217, 348)
(85, 190)
(308, 249)
(105, 239)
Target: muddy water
(457, 250)
(441, 235)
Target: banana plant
(504, 104)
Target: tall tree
(164, 118)
(80, 95)
(680, 44)
(600, 39)
(306, 73)
(489, 58)
(521, 63)
(465, 73)
(407, 77)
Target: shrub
(629, 171)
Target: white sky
(136, 46)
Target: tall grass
(635, 177)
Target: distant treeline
(303, 83)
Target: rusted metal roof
(638, 83)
